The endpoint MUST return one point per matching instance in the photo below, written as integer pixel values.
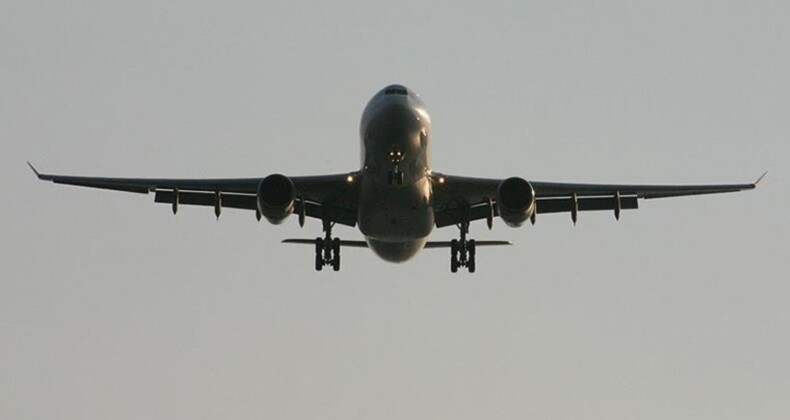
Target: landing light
(441, 180)
(349, 179)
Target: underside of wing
(558, 189)
(332, 198)
(460, 199)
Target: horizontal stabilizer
(446, 244)
(343, 242)
(363, 244)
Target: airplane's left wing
(328, 197)
(459, 199)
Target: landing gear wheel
(454, 256)
(470, 265)
(319, 254)
(336, 254)
(327, 249)
(463, 251)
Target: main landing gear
(327, 249)
(462, 252)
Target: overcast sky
(111, 307)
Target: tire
(336, 254)
(454, 256)
(319, 257)
(471, 246)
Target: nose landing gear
(395, 175)
(327, 249)
(462, 252)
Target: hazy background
(110, 307)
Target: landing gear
(462, 252)
(327, 249)
(454, 256)
(396, 177)
(336, 254)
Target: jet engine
(515, 201)
(276, 198)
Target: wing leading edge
(558, 189)
(333, 198)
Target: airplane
(394, 198)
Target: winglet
(34, 169)
(760, 179)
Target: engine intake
(515, 201)
(276, 198)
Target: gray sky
(113, 308)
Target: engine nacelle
(276, 198)
(515, 199)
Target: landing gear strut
(327, 249)
(462, 252)
(395, 175)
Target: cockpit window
(396, 90)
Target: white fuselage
(395, 205)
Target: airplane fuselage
(395, 205)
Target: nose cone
(397, 126)
(395, 120)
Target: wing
(459, 198)
(328, 197)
